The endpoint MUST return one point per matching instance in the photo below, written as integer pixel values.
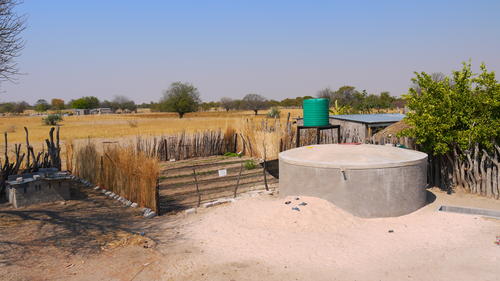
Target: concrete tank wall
(356, 179)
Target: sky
(277, 49)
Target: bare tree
(255, 102)
(11, 44)
(227, 103)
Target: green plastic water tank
(316, 112)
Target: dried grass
(122, 170)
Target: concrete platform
(365, 180)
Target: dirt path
(264, 239)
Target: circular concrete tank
(365, 180)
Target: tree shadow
(80, 226)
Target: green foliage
(41, 105)
(52, 119)
(274, 113)
(340, 109)
(181, 98)
(461, 110)
(250, 165)
(14, 107)
(359, 102)
(232, 154)
(85, 103)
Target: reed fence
(183, 146)
(125, 171)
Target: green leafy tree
(181, 98)
(41, 105)
(461, 110)
(85, 103)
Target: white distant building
(94, 111)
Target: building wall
(350, 131)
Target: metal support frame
(318, 131)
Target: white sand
(263, 239)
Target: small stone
(296, 209)
(297, 198)
(150, 215)
(391, 231)
(190, 211)
(133, 205)
(107, 193)
(303, 204)
(96, 187)
(288, 202)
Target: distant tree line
(89, 102)
(184, 98)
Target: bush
(250, 165)
(52, 119)
(274, 113)
(232, 154)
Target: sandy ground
(262, 238)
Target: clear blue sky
(230, 48)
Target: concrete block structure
(365, 180)
(44, 186)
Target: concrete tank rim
(314, 156)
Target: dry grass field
(120, 125)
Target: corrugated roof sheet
(371, 118)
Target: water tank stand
(318, 130)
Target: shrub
(250, 165)
(274, 113)
(52, 119)
(231, 154)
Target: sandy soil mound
(322, 242)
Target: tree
(255, 102)
(11, 44)
(57, 104)
(462, 110)
(41, 105)
(20, 107)
(123, 103)
(227, 103)
(181, 98)
(85, 103)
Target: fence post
(238, 181)
(197, 188)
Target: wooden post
(318, 136)
(238, 180)
(297, 144)
(265, 166)
(197, 188)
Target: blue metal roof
(371, 118)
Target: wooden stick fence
(49, 158)
(184, 146)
